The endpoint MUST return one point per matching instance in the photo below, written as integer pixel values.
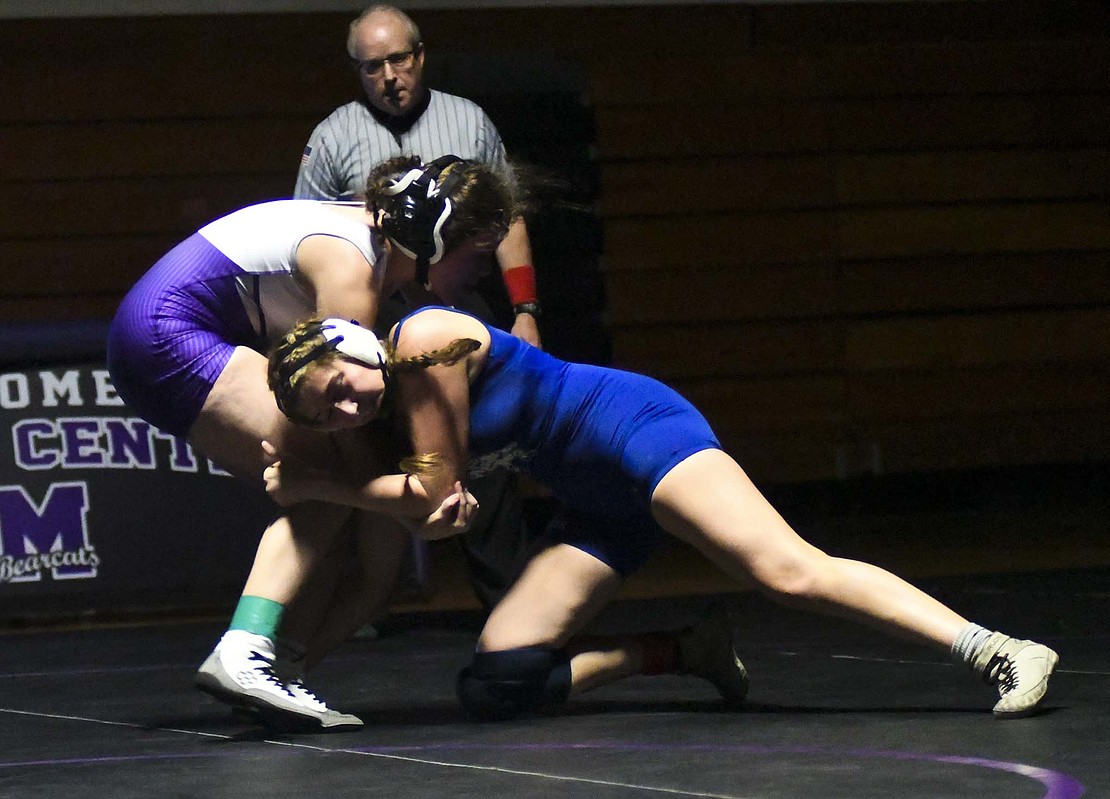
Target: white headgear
(354, 341)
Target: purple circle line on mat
(1058, 785)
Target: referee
(399, 115)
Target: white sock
(968, 643)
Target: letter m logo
(58, 525)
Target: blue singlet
(601, 439)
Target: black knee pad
(511, 682)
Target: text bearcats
(30, 568)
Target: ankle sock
(968, 643)
(257, 615)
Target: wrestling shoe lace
(1000, 672)
(1019, 669)
(251, 676)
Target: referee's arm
(514, 255)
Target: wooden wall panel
(909, 199)
(973, 228)
(935, 283)
(852, 72)
(598, 31)
(713, 185)
(871, 124)
(714, 77)
(888, 23)
(724, 240)
(77, 266)
(197, 87)
(979, 283)
(778, 126)
(937, 122)
(1061, 66)
(679, 353)
(1056, 337)
(132, 205)
(80, 70)
(810, 181)
(893, 345)
(789, 455)
(780, 402)
(972, 176)
(974, 393)
(978, 442)
(779, 428)
(695, 292)
(156, 148)
(15, 309)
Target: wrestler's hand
(287, 482)
(270, 451)
(452, 517)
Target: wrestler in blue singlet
(601, 439)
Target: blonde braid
(430, 464)
(447, 356)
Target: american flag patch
(306, 155)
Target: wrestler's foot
(1019, 669)
(240, 673)
(329, 720)
(708, 650)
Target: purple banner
(101, 511)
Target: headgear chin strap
(340, 335)
(414, 220)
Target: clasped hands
(289, 481)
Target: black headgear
(349, 338)
(419, 210)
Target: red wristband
(520, 282)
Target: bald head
(378, 15)
(385, 45)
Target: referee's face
(390, 66)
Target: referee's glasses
(374, 66)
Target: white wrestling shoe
(1019, 669)
(708, 650)
(240, 672)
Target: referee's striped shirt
(350, 141)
